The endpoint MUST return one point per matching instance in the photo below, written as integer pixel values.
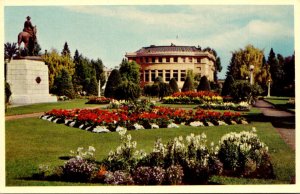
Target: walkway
(283, 121)
(38, 114)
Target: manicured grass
(31, 141)
(42, 107)
(281, 102)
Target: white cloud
(136, 15)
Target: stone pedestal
(28, 79)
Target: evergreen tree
(188, 85)
(66, 50)
(128, 91)
(114, 80)
(173, 85)
(99, 68)
(130, 71)
(93, 87)
(277, 74)
(227, 87)
(204, 84)
(63, 84)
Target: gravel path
(283, 121)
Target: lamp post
(251, 74)
(99, 88)
(269, 87)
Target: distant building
(172, 61)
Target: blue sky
(108, 32)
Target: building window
(175, 74)
(152, 75)
(198, 60)
(160, 59)
(183, 59)
(190, 59)
(142, 76)
(168, 59)
(182, 75)
(146, 76)
(168, 75)
(175, 59)
(146, 59)
(160, 73)
(153, 59)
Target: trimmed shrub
(128, 90)
(114, 80)
(173, 85)
(227, 85)
(188, 85)
(203, 84)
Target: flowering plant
(98, 100)
(243, 154)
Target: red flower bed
(161, 116)
(192, 94)
(98, 100)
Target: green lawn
(281, 102)
(31, 141)
(42, 107)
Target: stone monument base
(28, 79)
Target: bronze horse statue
(28, 40)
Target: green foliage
(63, 85)
(241, 90)
(8, 92)
(114, 80)
(93, 87)
(227, 87)
(130, 71)
(55, 64)
(204, 84)
(188, 85)
(66, 50)
(128, 91)
(37, 49)
(10, 50)
(85, 70)
(243, 154)
(173, 85)
(241, 61)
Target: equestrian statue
(28, 36)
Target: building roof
(172, 48)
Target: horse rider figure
(28, 27)
(28, 36)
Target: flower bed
(186, 160)
(242, 106)
(192, 97)
(98, 100)
(97, 120)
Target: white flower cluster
(196, 124)
(138, 126)
(244, 104)
(172, 125)
(245, 140)
(126, 149)
(100, 129)
(82, 153)
(159, 147)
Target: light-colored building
(172, 61)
